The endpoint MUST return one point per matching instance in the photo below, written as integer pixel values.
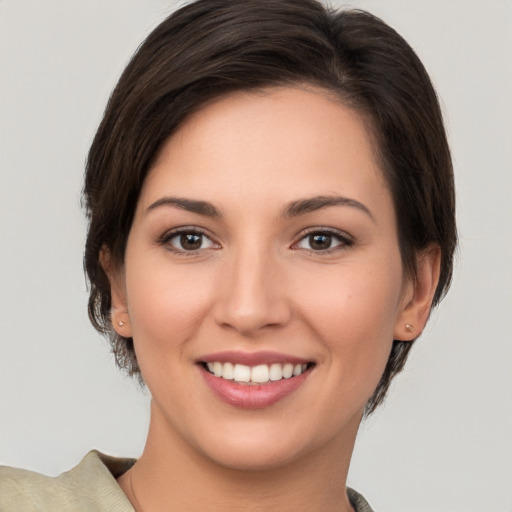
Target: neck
(171, 475)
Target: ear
(120, 316)
(418, 295)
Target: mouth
(254, 381)
(256, 375)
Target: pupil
(190, 241)
(320, 241)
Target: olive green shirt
(89, 487)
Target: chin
(248, 455)
(272, 444)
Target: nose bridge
(251, 295)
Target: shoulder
(358, 501)
(89, 486)
(19, 489)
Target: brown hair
(211, 47)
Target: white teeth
(276, 372)
(260, 374)
(241, 373)
(287, 370)
(217, 369)
(228, 371)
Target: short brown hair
(211, 47)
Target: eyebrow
(294, 209)
(190, 205)
(312, 204)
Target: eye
(188, 241)
(323, 241)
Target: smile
(260, 374)
(254, 380)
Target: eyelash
(166, 238)
(344, 240)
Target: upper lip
(252, 358)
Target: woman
(271, 218)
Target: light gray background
(443, 440)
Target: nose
(252, 294)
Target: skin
(256, 283)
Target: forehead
(297, 141)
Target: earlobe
(120, 316)
(122, 327)
(418, 298)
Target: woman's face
(264, 245)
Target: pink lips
(251, 359)
(251, 396)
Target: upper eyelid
(170, 233)
(323, 229)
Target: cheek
(353, 299)
(353, 315)
(166, 306)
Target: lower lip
(252, 396)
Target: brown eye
(188, 241)
(320, 242)
(324, 241)
(191, 241)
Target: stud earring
(409, 328)
(121, 323)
